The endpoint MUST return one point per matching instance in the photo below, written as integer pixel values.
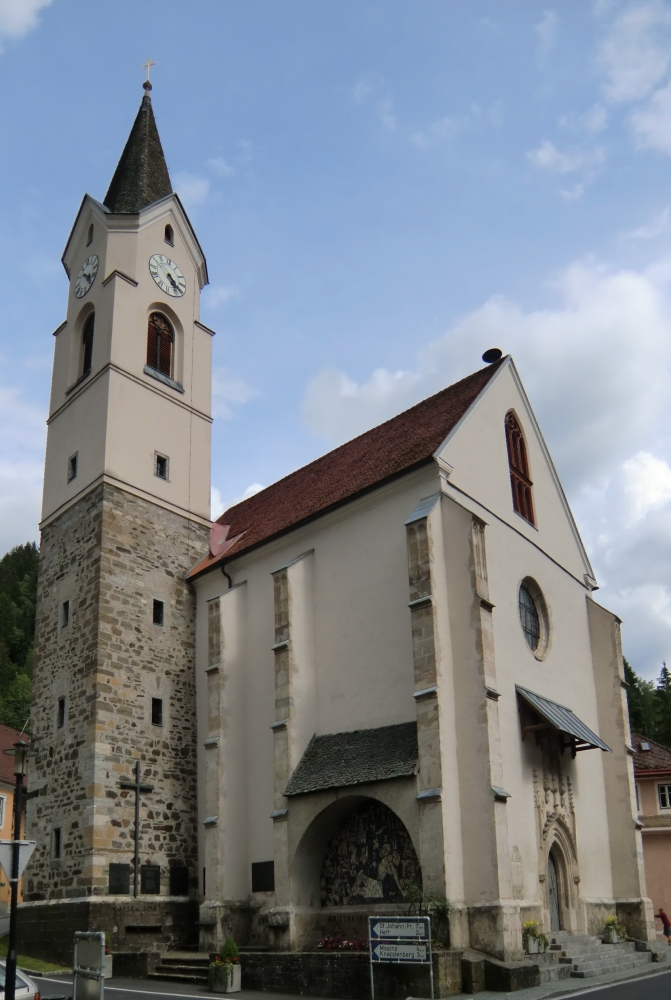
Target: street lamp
(20, 752)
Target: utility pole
(137, 787)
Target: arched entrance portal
(553, 894)
(370, 859)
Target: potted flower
(612, 931)
(224, 971)
(532, 938)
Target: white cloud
(585, 162)
(229, 392)
(217, 295)
(220, 166)
(218, 506)
(548, 157)
(546, 33)
(651, 123)
(595, 119)
(647, 484)
(597, 368)
(635, 54)
(658, 225)
(446, 128)
(373, 87)
(191, 189)
(18, 17)
(22, 439)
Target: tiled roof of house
(341, 759)
(657, 758)
(388, 450)
(8, 737)
(141, 176)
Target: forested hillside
(18, 589)
(650, 704)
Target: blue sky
(383, 190)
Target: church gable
(497, 456)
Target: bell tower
(125, 515)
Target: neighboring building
(652, 768)
(364, 679)
(8, 737)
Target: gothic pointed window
(518, 463)
(87, 343)
(160, 340)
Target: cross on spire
(148, 65)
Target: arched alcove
(370, 859)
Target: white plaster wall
(142, 414)
(477, 452)
(363, 672)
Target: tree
(663, 694)
(18, 597)
(642, 702)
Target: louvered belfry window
(519, 469)
(160, 340)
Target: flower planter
(611, 937)
(221, 982)
(532, 946)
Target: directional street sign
(400, 940)
(396, 928)
(26, 848)
(399, 952)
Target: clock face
(86, 276)
(167, 275)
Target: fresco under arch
(371, 859)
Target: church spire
(141, 176)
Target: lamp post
(20, 752)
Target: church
(380, 685)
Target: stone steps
(183, 967)
(586, 957)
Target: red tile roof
(8, 738)
(656, 759)
(389, 450)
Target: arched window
(160, 340)
(89, 238)
(169, 236)
(519, 469)
(87, 343)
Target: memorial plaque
(150, 880)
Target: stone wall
(111, 556)
(47, 929)
(346, 974)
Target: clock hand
(171, 280)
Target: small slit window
(89, 238)
(60, 716)
(87, 344)
(157, 711)
(518, 463)
(65, 613)
(56, 843)
(161, 467)
(158, 613)
(72, 467)
(160, 341)
(169, 236)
